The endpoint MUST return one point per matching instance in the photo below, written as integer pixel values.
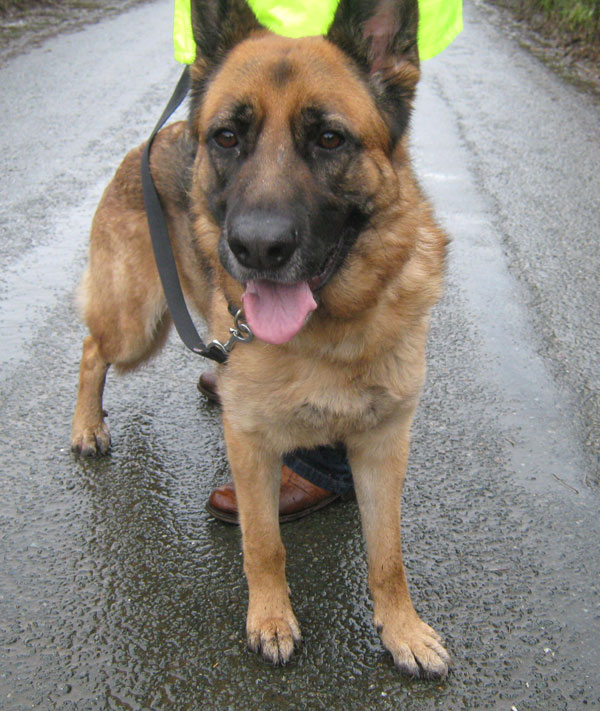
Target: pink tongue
(276, 312)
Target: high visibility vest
(439, 22)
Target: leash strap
(161, 243)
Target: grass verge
(578, 18)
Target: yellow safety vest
(439, 22)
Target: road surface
(117, 590)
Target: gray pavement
(117, 591)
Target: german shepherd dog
(290, 193)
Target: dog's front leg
(271, 626)
(89, 432)
(378, 460)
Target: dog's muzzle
(263, 242)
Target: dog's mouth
(328, 267)
(276, 311)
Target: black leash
(163, 252)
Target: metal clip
(241, 333)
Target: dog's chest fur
(307, 404)
(350, 410)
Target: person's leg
(310, 480)
(326, 467)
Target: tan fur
(353, 374)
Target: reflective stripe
(439, 22)
(183, 38)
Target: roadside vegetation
(19, 7)
(577, 15)
(566, 34)
(24, 23)
(16, 5)
(579, 18)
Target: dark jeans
(326, 467)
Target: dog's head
(297, 139)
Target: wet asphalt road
(117, 591)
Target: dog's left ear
(381, 37)
(218, 25)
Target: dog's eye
(226, 138)
(330, 140)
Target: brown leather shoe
(208, 386)
(297, 498)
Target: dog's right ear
(381, 37)
(219, 25)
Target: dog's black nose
(262, 240)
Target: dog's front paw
(92, 440)
(417, 648)
(274, 638)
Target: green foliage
(575, 15)
(21, 6)
(6, 5)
